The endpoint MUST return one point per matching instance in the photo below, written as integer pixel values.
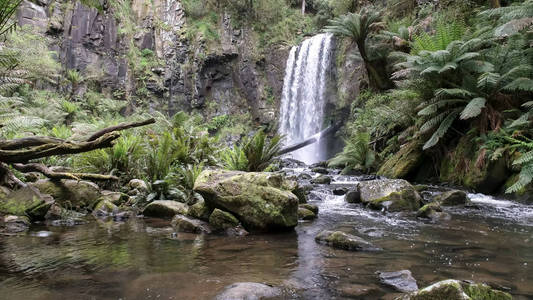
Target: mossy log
(19, 152)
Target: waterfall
(305, 93)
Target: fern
(356, 154)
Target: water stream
(146, 259)
(307, 76)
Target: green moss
(222, 220)
(404, 162)
(485, 292)
(406, 200)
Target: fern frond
(441, 131)
(473, 109)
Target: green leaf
(473, 109)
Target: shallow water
(145, 259)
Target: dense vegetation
(461, 81)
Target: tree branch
(120, 127)
(28, 142)
(34, 167)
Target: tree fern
(356, 155)
(512, 19)
(444, 34)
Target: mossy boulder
(26, 201)
(261, 201)
(404, 163)
(105, 208)
(322, 179)
(310, 207)
(116, 198)
(353, 196)
(390, 194)
(452, 198)
(345, 241)
(70, 193)
(200, 210)
(305, 214)
(185, 224)
(429, 210)
(222, 220)
(165, 209)
(457, 290)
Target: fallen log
(34, 167)
(311, 140)
(119, 127)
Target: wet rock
(322, 179)
(310, 207)
(116, 198)
(39, 213)
(458, 290)
(105, 208)
(402, 281)
(177, 195)
(165, 209)
(304, 176)
(391, 195)
(355, 291)
(248, 291)
(306, 214)
(185, 224)
(296, 189)
(260, 201)
(452, 198)
(320, 170)
(340, 191)
(429, 210)
(56, 213)
(14, 224)
(70, 193)
(200, 210)
(222, 220)
(139, 185)
(236, 231)
(345, 241)
(353, 196)
(24, 201)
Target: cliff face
(138, 51)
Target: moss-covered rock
(165, 209)
(306, 214)
(407, 200)
(185, 224)
(116, 198)
(260, 201)
(429, 210)
(452, 198)
(457, 290)
(200, 210)
(390, 194)
(105, 208)
(71, 193)
(322, 179)
(310, 207)
(24, 201)
(222, 220)
(404, 163)
(345, 241)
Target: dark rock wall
(227, 78)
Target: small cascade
(305, 94)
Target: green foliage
(512, 19)
(7, 9)
(525, 162)
(185, 176)
(356, 155)
(445, 33)
(218, 123)
(253, 154)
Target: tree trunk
(303, 7)
(495, 3)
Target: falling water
(305, 94)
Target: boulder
(222, 220)
(320, 170)
(105, 208)
(345, 241)
(14, 224)
(261, 201)
(353, 196)
(248, 291)
(390, 194)
(310, 207)
(200, 210)
(340, 191)
(322, 179)
(457, 290)
(71, 193)
(116, 198)
(165, 209)
(57, 212)
(26, 201)
(452, 198)
(305, 214)
(185, 224)
(401, 281)
(429, 210)
(139, 185)
(404, 163)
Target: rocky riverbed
(357, 237)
